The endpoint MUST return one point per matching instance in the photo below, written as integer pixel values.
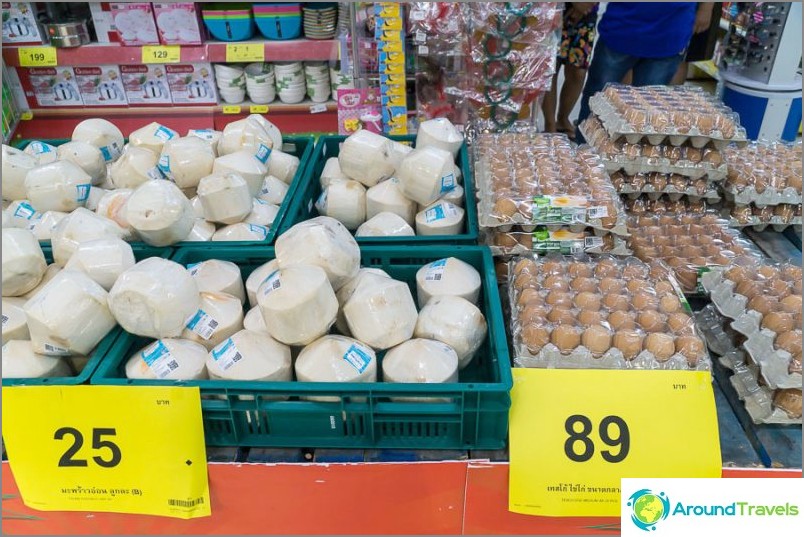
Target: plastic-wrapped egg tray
(764, 174)
(763, 404)
(690, 244)
(778, 217)
(533, 178)
(656, 184)
(764, 302)
(684, 160)
(521, 240)
(607, 313)
(663, 204)
(678, 114)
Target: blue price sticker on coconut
(164, 134)
(226, 354)
(202, 324)
(158, 358)
(82, 192)
(357, 357)
(263, 152)
(448, 182)
(24, 210)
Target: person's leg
(681, 75)
(652, 71)
(549, 104)
(628, 78)
(570, 91)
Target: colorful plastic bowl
(229, 23)
(278, 21)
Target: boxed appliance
(135, 23)
(179, 23)
(192, 83)
(101, 85)
(145, 85)
(20, 25)
(55, 86)
(103, 21)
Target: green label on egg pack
(559, 209)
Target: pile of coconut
(160, 187)
(378, 187)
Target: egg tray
(550, 355)
(625, 187)
(769, 196)
(520, 241)
(663, 204)
(759, 223)
(764, 174)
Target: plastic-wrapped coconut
(215, 276)
(386, 197)
(42, 226)
(87, 157)
(154, 298)
(198, 209)
(256, 279)
(246, 165)
(272, 130)
(114, 206)
(366, 157)
(43, 152)
(225, 198)
(455, 321)
(426, 174)
(135, 166)
(440, 133)
(449, 276)
(58, 186)
(273, 190)
(332, 172)
(385, 225)
(398, 153)
(344, 201)
(262, 213)
(50, 272)
(152, 137)
(160, 213)
(241, 232)
(79, 226)
(15, 325)
(96, 194)
(202, 231)
(283, 166)
(420, 361)
(6, 219)
(169, 358)
(253, 320)
(250, 355)
(21, 214)
(103, 260)
(186, 160)
(248, 134)
(102, 134)
(345, 293)
(20, 361)
(336, 359)
(212, 137)
(69, 315)
(23, 262)
(440, 218)
(298, 304)
(381, 312)
(16, 166)
(219, 316)
(456, 196)
(321, 241)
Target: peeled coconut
(440, 133)
(43, 152)
(225, 198)
(58, 186)
(50, 272)
(16, 166)
(160, 213)
(23, 262)
(440, 218)
(219, 316)
(15, 324)
(21, 213)
(262, 213)
(212, 137)
(103, 260)
(449, 276)
(202, 231)
(96, 194)
(20, 361)
(366, 157)
(345, 293)
(421, 361)
(250, 355)
(169, 358)
(241, 232)
(321, 241)
(398, 153)
(273, 190)
(198, 209)
(114, 207)
(186, 160)
(272, 130)
(455, 196)
(87, 157)
(426, 174)
(386, 197)
(6, 219)
(248, 134)
(102, 134)
(152, 137)
(283, 166)
(253, 320)
(154, 298)
(344, 201)
(79, 226)
(256, 279)
(336, 359)
(215, 276)
(332, 172)
(135, 166)
(385, 225)
(42, 226)
(69, 315)
(381, 312)
(455, 321)
(244, 164)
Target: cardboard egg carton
(769, 196)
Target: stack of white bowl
(317, 76)
(340, 80)
(260, 82)
(231, 81)
(290, 82)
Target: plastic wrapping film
(690, 244)
(664, 204)
(763, 404)
(655, 184)
(541, 240)
(778, 217)
(764, 174)
(679, 114)
(610, 313)
(530, 178)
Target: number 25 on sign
(574, 434)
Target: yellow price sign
(574, 434)
(231, 109)
(26, 116)
(108, 448)
(161, 54)
(245, 52)
(258, 109)
(37, 56)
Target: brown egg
(777, 287)
(615, 302)
(622, 320)
(553, 267)
(561, 316)
(669, 303)
(680, 323)
(663, 287)
(791, 272)
(526, 265)
(763, 304)
(791, 304)
(588, 318)
(584, 284)
(789, 400)
(748, 288)
(611, 285)
(559, 299)
(629, 342)
(737, 274)
(635, 272)
(586, 300)
(533, 314)
(526, 240)
(555, 282)
(779, 322)
(606, 268)
(662, 346)
(578, 269)
(692, 348)
(535, 337)
(597, 339)
(651, 321)
(645, 301)
(566, 338)
(525, 280)
(505, 240)
(789, 341)
(636, 286)
(529, 296)
(769, 272)
(504, 209)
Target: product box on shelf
(146, 84)
(179, 23)
(20, 26)
(101, 85)
(135, 23)
(103, 20)
(192, 83)
(54, 86)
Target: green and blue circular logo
(648, 508)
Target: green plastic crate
(305, 196)
(473, 416)
(103, 348)
(300, 146)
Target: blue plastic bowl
(278, 21)
(229, 25)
